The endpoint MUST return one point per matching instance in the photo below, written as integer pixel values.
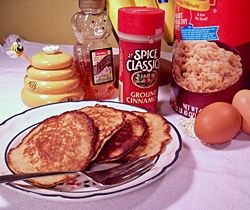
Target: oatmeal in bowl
(203, 72)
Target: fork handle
(16, 177)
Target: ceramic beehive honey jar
(50, 77)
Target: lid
(91, 4)
(141, 20)
(51, 59)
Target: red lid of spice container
(149, 20)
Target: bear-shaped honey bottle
(93, 56)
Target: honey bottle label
(102, 66)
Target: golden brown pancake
(59, 143)
(157, 137)
(108, 121)
(124, 140)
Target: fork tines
(131, 167)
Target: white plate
(13, 130)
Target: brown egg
(241, 102)
(217, 123)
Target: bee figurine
(16, 49)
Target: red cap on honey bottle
(141, 20)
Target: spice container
(140, 30)
(93, 57)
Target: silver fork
(102, 179)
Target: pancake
(108, 121)
(157, 138)
(59, 143)
(124, 140)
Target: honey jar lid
(51, 59)
(91, 4)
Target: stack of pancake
(96, 134)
